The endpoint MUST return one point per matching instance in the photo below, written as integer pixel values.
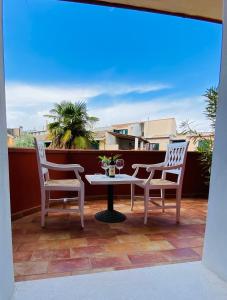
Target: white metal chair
(174, 163)
(47, 185)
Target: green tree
(26, 140)
(211, 96)
(71, 126)
(205, 144)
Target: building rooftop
(127, 136)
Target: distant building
(194, 141)
(13, 133)
(159, 132)
(10, 140)
(41, 135)
(147, 135)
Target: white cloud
(28, 120)
(19, 94)
(181, 109)
(26, 104)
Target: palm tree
(71, 125)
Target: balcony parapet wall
(24, 180)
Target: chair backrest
(41, 158)
(176, 154)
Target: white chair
(47, 185)
(174, 163)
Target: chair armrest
(62, 167)
(145, 166)
(163, 168)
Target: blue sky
(127, 65)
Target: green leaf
(69, 126)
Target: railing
(24, 180)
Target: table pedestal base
(110, 216)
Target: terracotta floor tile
(177, 255)
(20, 256)
(136, 238)
(86, 251)
(106, 262)
(184, 233)
(60, 253)
(186, 242)
(40, 245)
(126, 247)
(146, 258)
(26, 238)
(198, 250)
(62, 244)
(16, 246)
(96, 241)
(87, 232)
(30, 268)
(90, 271)
(41, 276)
(62, 248)
(45, 255)
(68, 265)
(55, 236)
(156, 236)
(160, 245)
(134, 266)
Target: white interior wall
(6, 261)
(215, 250)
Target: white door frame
(215, 248)
(6, 259)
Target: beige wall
(193, 143)
(103, 146)
(162, 143)
(15, 131)
(158, 128)
(112, 147)
(133, 128)
(10, 141)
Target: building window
(154, 146)
(178, 141)
(121, 131)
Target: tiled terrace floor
(62, 248)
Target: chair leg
(81, 204)
(146, 202)
(163, 199)
(178, 205)
(132, 196)
(47, 202)
(43, 207)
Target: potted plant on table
(108, 163)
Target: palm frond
(80, 142)
(70, 125)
